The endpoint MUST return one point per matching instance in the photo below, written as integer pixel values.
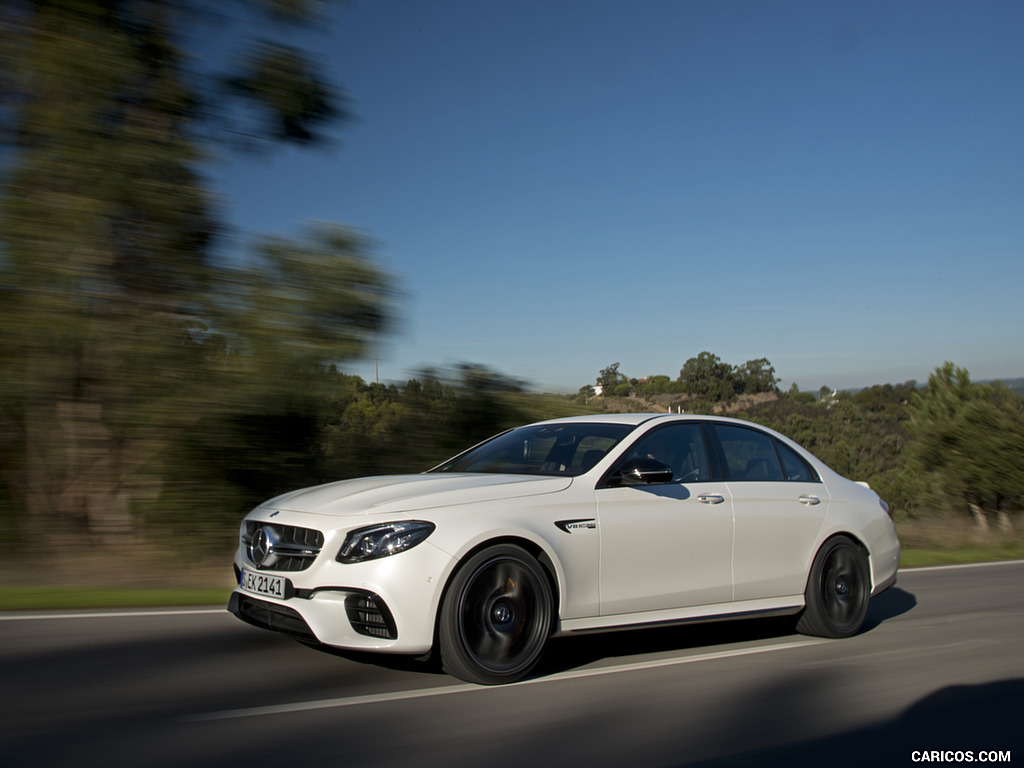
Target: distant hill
(673, 403)
(1017, 385)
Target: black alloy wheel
(496, 616)
(838, 590)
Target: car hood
(406, 493)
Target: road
(938, 667)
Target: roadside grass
(136, 574)
(954, 540)
(920, 558)
(74, 598)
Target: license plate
(264, 584)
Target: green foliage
(137, 371)
(887, 399)
(301, 303)
(707, 377)
(609, 378)
(862, 443)
(654, 385)
(797, 396)
(286, 90)
(970, 443)
(704, 377)
(77, 597)
(755, 376)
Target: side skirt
(776, 606)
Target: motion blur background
(553, 187)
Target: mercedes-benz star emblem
(261, 549)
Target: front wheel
(496, 617)
(838, 590)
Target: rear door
(779, 504)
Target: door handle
(711, 498)
(809, 501)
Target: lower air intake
(270, 616)
(369, 616)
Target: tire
(838, 590)
(496, 617)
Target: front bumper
(384, 605)
(268, 615)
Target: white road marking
(960, 566)
(378, 698)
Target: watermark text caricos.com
(960, 756)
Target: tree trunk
(1005, 523)
(980, 520)
(72, 479)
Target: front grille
(291, 548)
(369, 616)
(270, 616)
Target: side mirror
(645, 472)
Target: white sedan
(572, 525)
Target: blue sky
(561, 185)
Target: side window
(749, 454)
(794, 467)
(681, 447)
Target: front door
(666, 545)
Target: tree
(795, 394)
(653, 385)
(121, 330)
(970, 441)
(609, 379)
(887, 399)
(706, 376)
(756, 376)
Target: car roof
(638, 418)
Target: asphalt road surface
(937, 676)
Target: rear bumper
(884, 585)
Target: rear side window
(793, 467)
(753, 455)
(749, 455)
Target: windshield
(543, 449)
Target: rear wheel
(496, 617)
(838, 591)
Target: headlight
(382, 540)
